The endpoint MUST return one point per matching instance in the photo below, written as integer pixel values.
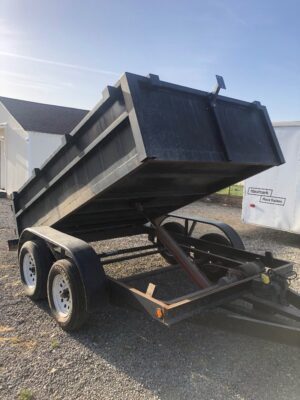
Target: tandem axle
(248, 291)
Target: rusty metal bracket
(183, 260)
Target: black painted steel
(148, 142)
(229, 232)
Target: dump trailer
(147, 149)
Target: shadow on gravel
(191, 361)
(42, 305)
(283, 238)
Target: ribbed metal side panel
(148, 142)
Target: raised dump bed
(148, 148)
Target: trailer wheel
(66, 295)
(172, 227)
(213, 273)
(216, 238)
(35, 260)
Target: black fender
(228, 231)
(82, 254)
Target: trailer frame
(100, 288)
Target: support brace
(166, 239)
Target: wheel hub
(62, 297)
(65, 294)
(29, 270)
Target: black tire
(77, 314)
(216, 238)
(40, 259)
(172, 227)
(213, 273)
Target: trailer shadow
(191, 361)
(265, 235)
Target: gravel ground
(124, 355)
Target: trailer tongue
(148, 148)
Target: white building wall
(16, 149)
(21, 151)
(14, 152)
(41, 147)
(2, 159)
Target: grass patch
(19, 342)
(234, 190)
(26, 394)
(54, 344)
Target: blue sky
(66, 52)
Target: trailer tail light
(252, 205)
(159, 313)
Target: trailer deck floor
(123, 354)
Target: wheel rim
(29, 271)
(62, 296)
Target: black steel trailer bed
(150, 147)
(149, 142)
